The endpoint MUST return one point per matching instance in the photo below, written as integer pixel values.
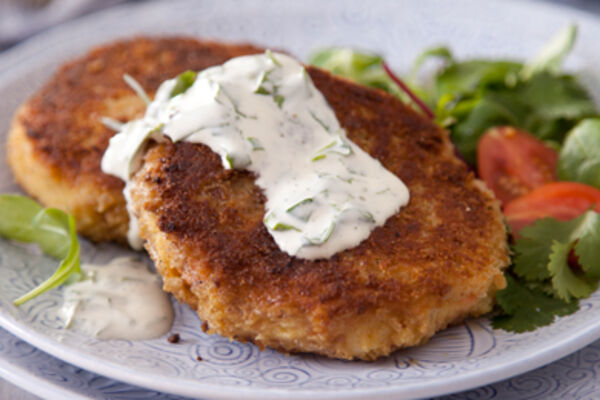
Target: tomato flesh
(559, 200)
(512, 162)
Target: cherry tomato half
(513, 162)
(560, 200)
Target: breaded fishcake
(435, 262)
(57, 138)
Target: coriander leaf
(549, 98)
(22, 219)
(579, 159)
(183, 82)
(534, 246)
(551, 56)
(531, 258)
(543, 248)
(527, 307)
(566, 284)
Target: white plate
(465, 356)
(50, 378)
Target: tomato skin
(512, 162)
(559, 200)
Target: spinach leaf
(23, 220)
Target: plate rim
(9, 62)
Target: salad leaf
(361, 67)
(551, 57)
(536, 245)
(526, 307)
(564, 280)
(549, 100)
(545, 105)
(22, 219)
(441, 52)
(472, 96)
(579, 159)
(543, 282)
(462, 79)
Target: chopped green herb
(367, 216)
(262, 90)
(278, 99)
(256, 145)
(347, 180)
(314, 116)
(230, 161)
(284, 227)
(183, 82)
(300, 203)
(318, 157)
(302, 209)
(324, 236)
(231, 101)
(272, 57)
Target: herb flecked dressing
(262, 113)
(120, 300)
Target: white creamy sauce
(120, 300)
(262, 113)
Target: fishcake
(57, 138)
(434, 263)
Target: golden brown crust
(58, 135)
(435, 262)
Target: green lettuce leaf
(579, 159)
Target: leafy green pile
(469, 97)
(555, 263)
(24, 220)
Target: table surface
(9, 391)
